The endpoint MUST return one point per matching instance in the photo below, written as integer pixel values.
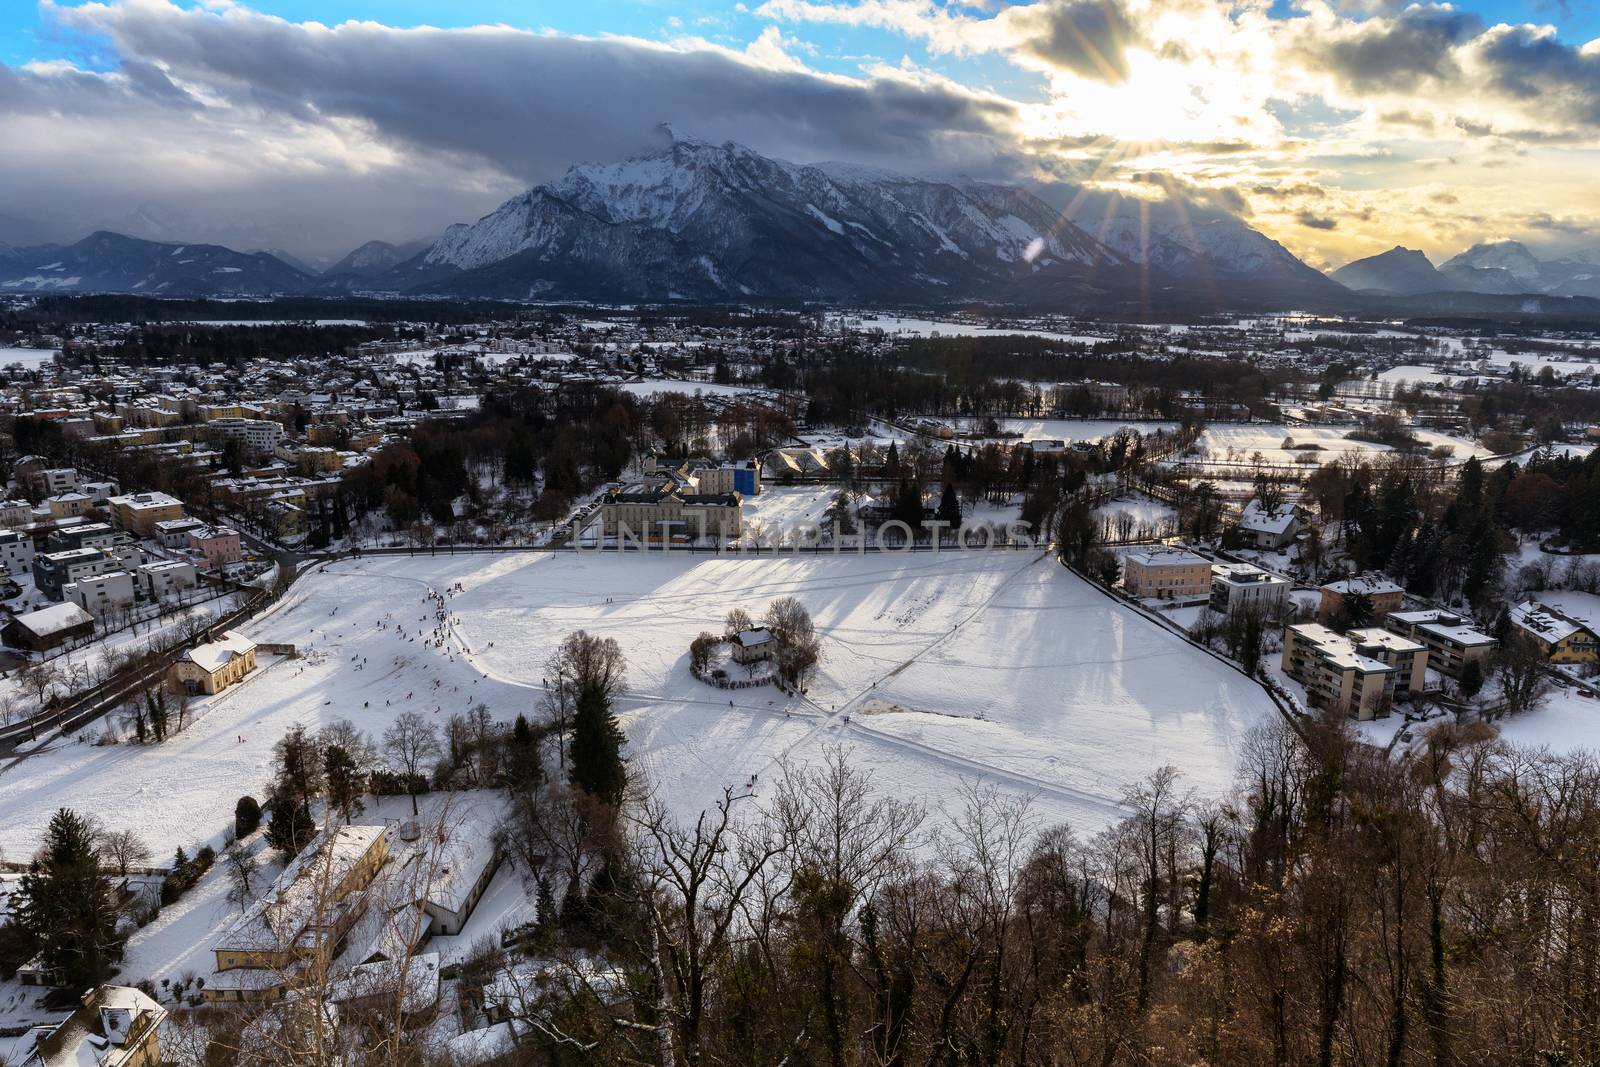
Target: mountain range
(721, 223)
(1502, 268)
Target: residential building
(83, 535)
(174, 533)
(68, 505)
(257, 436)
(1409, 658)
(1558, 635)
(166, 579)
(16, 551)
(101, 594)
(668, 513)
(47, 628)
(752, 645)
(1384, 596)
(53, 571)
(139, 512)
(303, 919)
(212, 667)
(115, 1026)
(1452, 643)
(55, 480)
(15, 513)
(218, 544)
(1336, 673)
(1269, 527)
(1166, 574)
(1246, 587)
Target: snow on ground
(1065, 429)
(1239, 442)
(891, 324)
(779, 507)
(1566, 721)
(1146, 511)
(656, 388)
(29, 358)
(1000, 667)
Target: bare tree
(124, 849)
(1522, 670)
(411, 743)
(241, 864)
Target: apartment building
(1166, 574)
(257, 436)
(16, 551)
(1267, 527)
(52, 571)
(166, 579)
(102, 594)
(743, 478)
(1384, 596)
(1408, 657)
(139, 512)
(1337, 673)
(1452, 643)
(113, 1026)
(218, 544)
(1246, 587)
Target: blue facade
(744, 480)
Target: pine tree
(524, 766)
(597, 748)
(344, 781)
(65, 902)
(950, 507)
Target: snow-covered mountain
(374, 258)
(112, 263)
(1509, 267)
(720, 222)
(1399, 270)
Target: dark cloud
(1398, 53)
(467, 117)
(1087, 37)
(1315, 221)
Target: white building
(16, 551)
(166, 579)
(1269, 527)
(101, 594)
(1245, 587)
(256, 435)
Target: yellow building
(212, 667)
(139, 512)
(667, 513)
(1166, 574)
(302, 920)
(1562, 638)
(117, 1026)
(1337, 673)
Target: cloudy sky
(1339, 127)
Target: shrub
(246, 816)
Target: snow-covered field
(1066, 429)
(655, 388)
(29, 358)
(892, 324)
(1238, 442)
(999, 667)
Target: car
(1586, 693)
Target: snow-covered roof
(760, 635)
(54, 619)
(1364, 585)
(1258, 519)
(1545, 622)
(214, 655)
(1167, 557)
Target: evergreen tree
(344, 779)
(597, 748)
(65, 902)
(524, 765)
(891, 462)
(949, 507)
